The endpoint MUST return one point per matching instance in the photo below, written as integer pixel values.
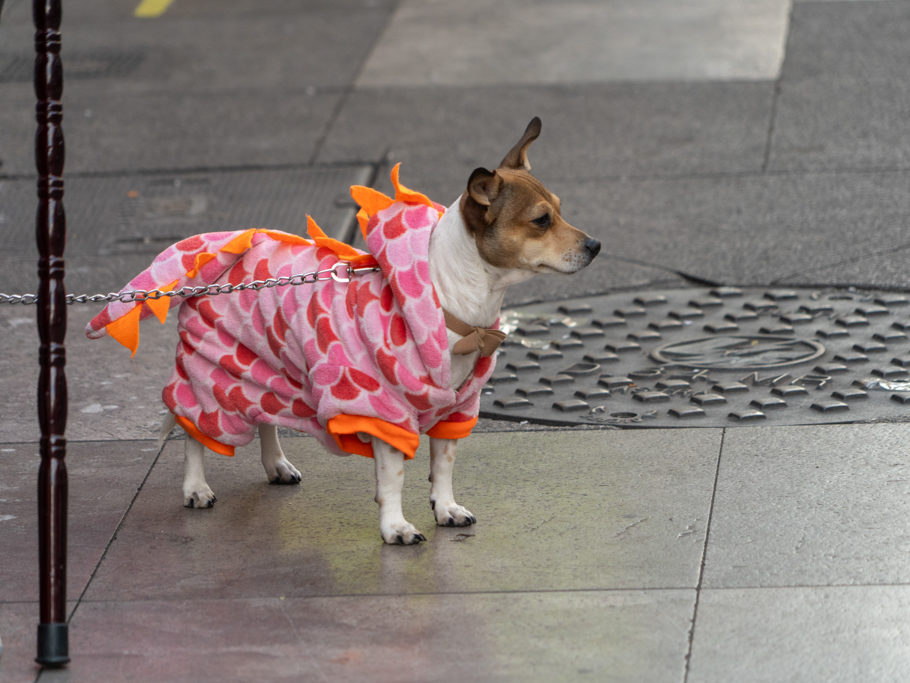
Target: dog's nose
(592, 246)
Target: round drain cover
(705, 357)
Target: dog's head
(516, 221)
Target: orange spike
(370, 200)
(125, 329)
(241, 243)
(364, 220)
(162, 305)
(343, 250)
(407, 195)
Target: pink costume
(331, 359)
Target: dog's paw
(285, 473)
(402, 533)
(452, 514)
(199, 498)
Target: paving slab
(745, 230)
(103, 479)
(615, 129)
(854, 124)
(110, 396)
(142, 214)
(842, 96)
(802, 634)
(144, 94)
(321, 538)
(617, 635)
(19, 11)
(201, 48)
(621, 40)
(106, 132)
(847, 40)
(810, 506)
(886, 269)
(18, 629)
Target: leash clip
(342, 277)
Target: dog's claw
(406, 536)
(454, 515)
(199, 502)
(282, 472)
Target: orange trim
(204, 439)
(346, 427)
(452, 430)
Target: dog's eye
(543, 221)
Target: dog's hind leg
(196, 492)
(442, 497)
(278, 469)
(167, 426)
(395, 529)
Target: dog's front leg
(393, 526)
(442, 496)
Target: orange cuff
(204, 439)
(346, 427)
(452, 430)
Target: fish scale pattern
(333, 359)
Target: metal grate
(712, 357)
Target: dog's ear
(518, 156)
(483, 186)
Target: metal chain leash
(340, 272)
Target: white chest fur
(467, 286)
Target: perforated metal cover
(705, 357)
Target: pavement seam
(775, 97)
(845, 262)
(704, 555)
(769, 139)
(113, 537)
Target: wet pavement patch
(709, 357)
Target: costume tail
(198, 260)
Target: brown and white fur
(505, 228)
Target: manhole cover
(705, 357)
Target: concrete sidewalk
(739, 554)
(760, 144)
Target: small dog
(381, 347)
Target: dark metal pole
(50, 232)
